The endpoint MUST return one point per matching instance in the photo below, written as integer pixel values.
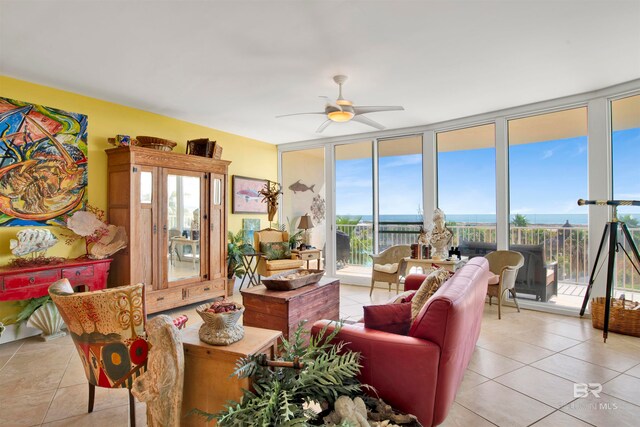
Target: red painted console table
(33, 282)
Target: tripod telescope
(610, 232)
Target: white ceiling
(235, 65)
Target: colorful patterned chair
(108, 329)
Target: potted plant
(236, 248)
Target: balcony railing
(568, 246)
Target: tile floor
(522, 373)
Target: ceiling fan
(343, 110)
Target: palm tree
(520, 220)
(630, 220)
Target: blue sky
(545, 178)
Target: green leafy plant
(279, 394)
(236, 247)
(630, 220)
(520, 220)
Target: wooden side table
(283, 310)
(308, 255)
(426, 263)
(208, 384)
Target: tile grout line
(58, 386)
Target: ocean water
(545, 219)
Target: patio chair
(504, 266)
(389, 266)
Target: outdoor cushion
(386, 268)
(275, 250)
(392, 318)
(494, 279)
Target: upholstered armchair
(269, 267)
(108, 330)
(504, 266)
(389, 266)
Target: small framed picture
(246, 197)
(250, 226)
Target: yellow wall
(249, 157)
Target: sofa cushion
(429, 287)
(392, 318)
(405, 296)
(275, 250)
(386, 268)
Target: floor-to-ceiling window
(400, 207)
(467, 186)
(304, 193)
(625, 140)
(547, 175)
(354, 208)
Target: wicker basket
(220, 328)
(155, 143)
(624, 317)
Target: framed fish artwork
(43, 164)
(246, 197)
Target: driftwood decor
(161, 385)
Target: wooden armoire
(173, 207)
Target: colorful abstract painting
(43, 164)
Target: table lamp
(305, 224)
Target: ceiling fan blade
(323, 126)
(364, 110)
(299, 114)
(367, 121)
(332, 103)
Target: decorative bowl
(155, 143)
(279, 282)
(220, 328)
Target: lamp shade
(305, 223)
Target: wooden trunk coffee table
(208, 384)
(283, 310)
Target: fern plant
(280, 395)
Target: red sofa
(420, 373)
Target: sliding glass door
(354, 208)
(547, 175)
(467, 186)
(625, 140)
(400, 210)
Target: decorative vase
(271, 211)
(220, 328)
(47, 318)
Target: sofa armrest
(402, 369)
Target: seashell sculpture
(32, 240)
(47, 318)
(114, 240)
(84, 223)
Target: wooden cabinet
(208, 380)
(173, 207)
(284, 310)
(33, 282)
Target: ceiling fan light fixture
(344, 102)
(340, 116)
